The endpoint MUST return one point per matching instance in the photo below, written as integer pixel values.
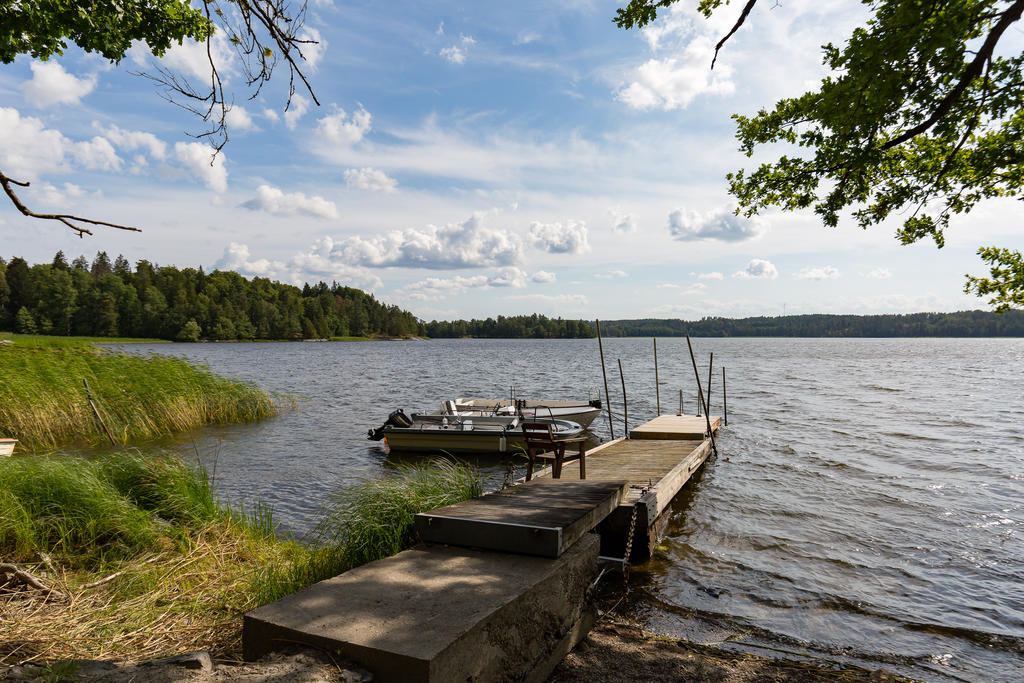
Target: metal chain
(629, 549)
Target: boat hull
(468, 435)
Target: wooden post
(88, 395)
(657, 390)
(625, 407)
(725, 403)
(707, 398)
(604, 373)
(680, 401)
(707, 419)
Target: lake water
(866, 506)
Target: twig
(64, 218)
(12, 572)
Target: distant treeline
(959, 324)
(107, 299)
(512, 327)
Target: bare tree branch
(64, 218)
(736, 27)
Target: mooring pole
(680, 401)
(88, 395)
(725, 403)
(696, 373)
(604, 373)
(707, 398)
(657, 390)
(625, 407)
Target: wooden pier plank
(675, 427)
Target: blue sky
(477, 159)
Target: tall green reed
(370, 521)
(43, 402)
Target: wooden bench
(540, 440)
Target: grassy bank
(43, 401)
(142, 562)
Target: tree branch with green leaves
(265, 34)
(921, 116)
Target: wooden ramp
(539, 517)
(657, 469)
(676, 427)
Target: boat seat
(541, 440)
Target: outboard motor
(396, 419)
(595, 403)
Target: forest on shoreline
(107, 298)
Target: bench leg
(529, 465)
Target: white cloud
(370, 179)
(196, 157)
(190, 57)
(131, 140)
(239, 119)
(543, 277)
(342, 128)
(825, 273)
(758, 268)
(717, 224)
(315, 50)
(29, 149)
(296, 110)
(97, 153)
(453, 54)
(316, 263)
(668, 285)
(713, 275)
(236, 257)
(55, 196)
(433, 288)
(271, 115)
(611, 274)
(276, 202)
(440, 29)
(51, 84)
(622, 223)
(673, 82)
(879, 273)
(456, 54)
(469, 244)
(556, 238)
(526, 37)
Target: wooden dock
(497, 591)
(656, 466)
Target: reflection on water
(867, 504)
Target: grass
(43, 401)
(371, 521)
(148, 564)
(183, 566)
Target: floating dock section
(498, 589)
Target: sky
(475, 159)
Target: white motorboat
(459, 433)
(582, 413)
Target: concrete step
(437, 613)
(539, 517)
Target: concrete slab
(539, 517)
(440, 613)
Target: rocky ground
(615, 651)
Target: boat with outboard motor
(459, 433)
(539, 410)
